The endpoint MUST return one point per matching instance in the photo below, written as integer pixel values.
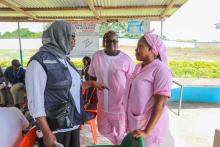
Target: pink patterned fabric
(157, 45)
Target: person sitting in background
(2, 86)
(15, 74)
(84, 72)
(13, 122)
(90, 94)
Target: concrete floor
(195, 127)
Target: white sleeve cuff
(39, 113)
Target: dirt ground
(188, 54)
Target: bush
(196, 69)
(180, 69)
(78, 63)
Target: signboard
(138, 26)
(87, 38)
(217, 26)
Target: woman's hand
(95, 84)
(49, 139)
(48, 136)
(139, 133)
(99, 86)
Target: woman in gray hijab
(54, 88)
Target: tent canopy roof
(102, 10)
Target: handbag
(58, 116)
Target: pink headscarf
(156, 44)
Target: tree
(24, 32)
(120, 27)
(164, 37)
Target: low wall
(36, 43)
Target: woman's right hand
(48, 136)
(99, 86)
(49, 139)
(95, 84)
(139, 133)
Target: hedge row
(180, 69)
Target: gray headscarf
(56, 39)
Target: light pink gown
(154, 78)
(112, 71)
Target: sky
(194, 20)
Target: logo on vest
(50, 61)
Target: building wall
(36, 43)
(207, 45)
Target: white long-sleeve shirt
(35, 80)
(12, 122)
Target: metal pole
(180, 101)
(19, 38)
(161, 29)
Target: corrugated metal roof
(66, 14)
(11, 14)
(179, 2)
(44, 10)
(49, 3)
(115, 3)
(171, 11)
(135, 12)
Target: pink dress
(154, 78)
(112, 71)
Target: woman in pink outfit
(148, 90)
(111, 67)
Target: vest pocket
(57, 116)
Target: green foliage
(5, 63)
(78, 63)
(24, 32)
(180, 69)
(196, 69)
(119, 27)
(164, 37)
